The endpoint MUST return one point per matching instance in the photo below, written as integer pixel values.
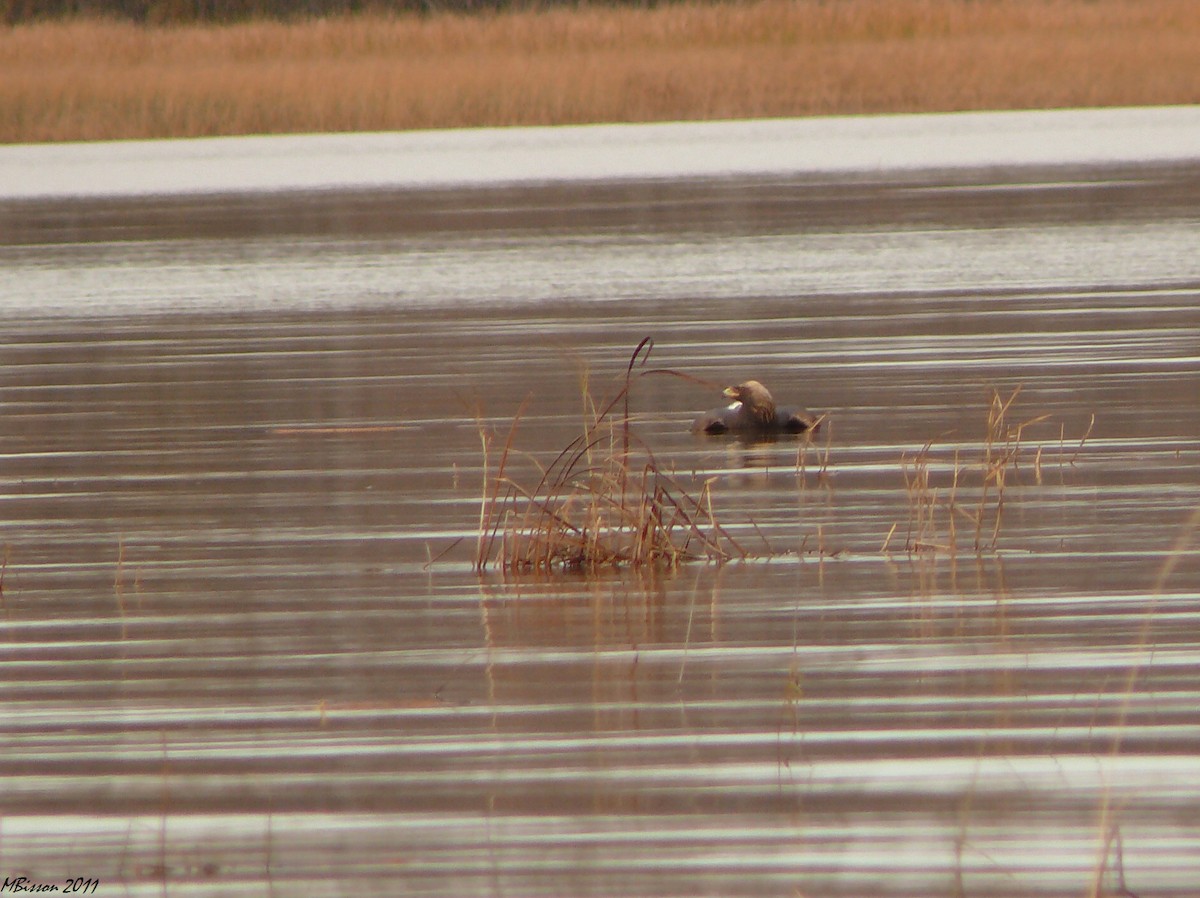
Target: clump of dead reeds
(603, 502)
(1001, 454)
(934, 513)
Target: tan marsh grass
(933, 514)
(93, 79)
(602, 502)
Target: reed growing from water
(933, 514)
(602, 503)
(97, 79)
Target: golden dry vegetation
(88, 79)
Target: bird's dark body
(753, 413)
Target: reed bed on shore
(95, 79)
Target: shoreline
(502, 157)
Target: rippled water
(238, 430)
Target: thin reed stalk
(1001, 451)
(1108, 813)
(595, 507)
(487, 529)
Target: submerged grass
(603, 502)
(96, 79)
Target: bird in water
(753, 412)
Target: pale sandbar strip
(507, 156)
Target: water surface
(240, 428)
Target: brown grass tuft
(681, 61)
(603, 502)
(932, 520)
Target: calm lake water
(238, 430)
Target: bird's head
(755, 399)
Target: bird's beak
(730, 393)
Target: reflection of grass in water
(595, 506)
(119, 583)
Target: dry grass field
(88, 80)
